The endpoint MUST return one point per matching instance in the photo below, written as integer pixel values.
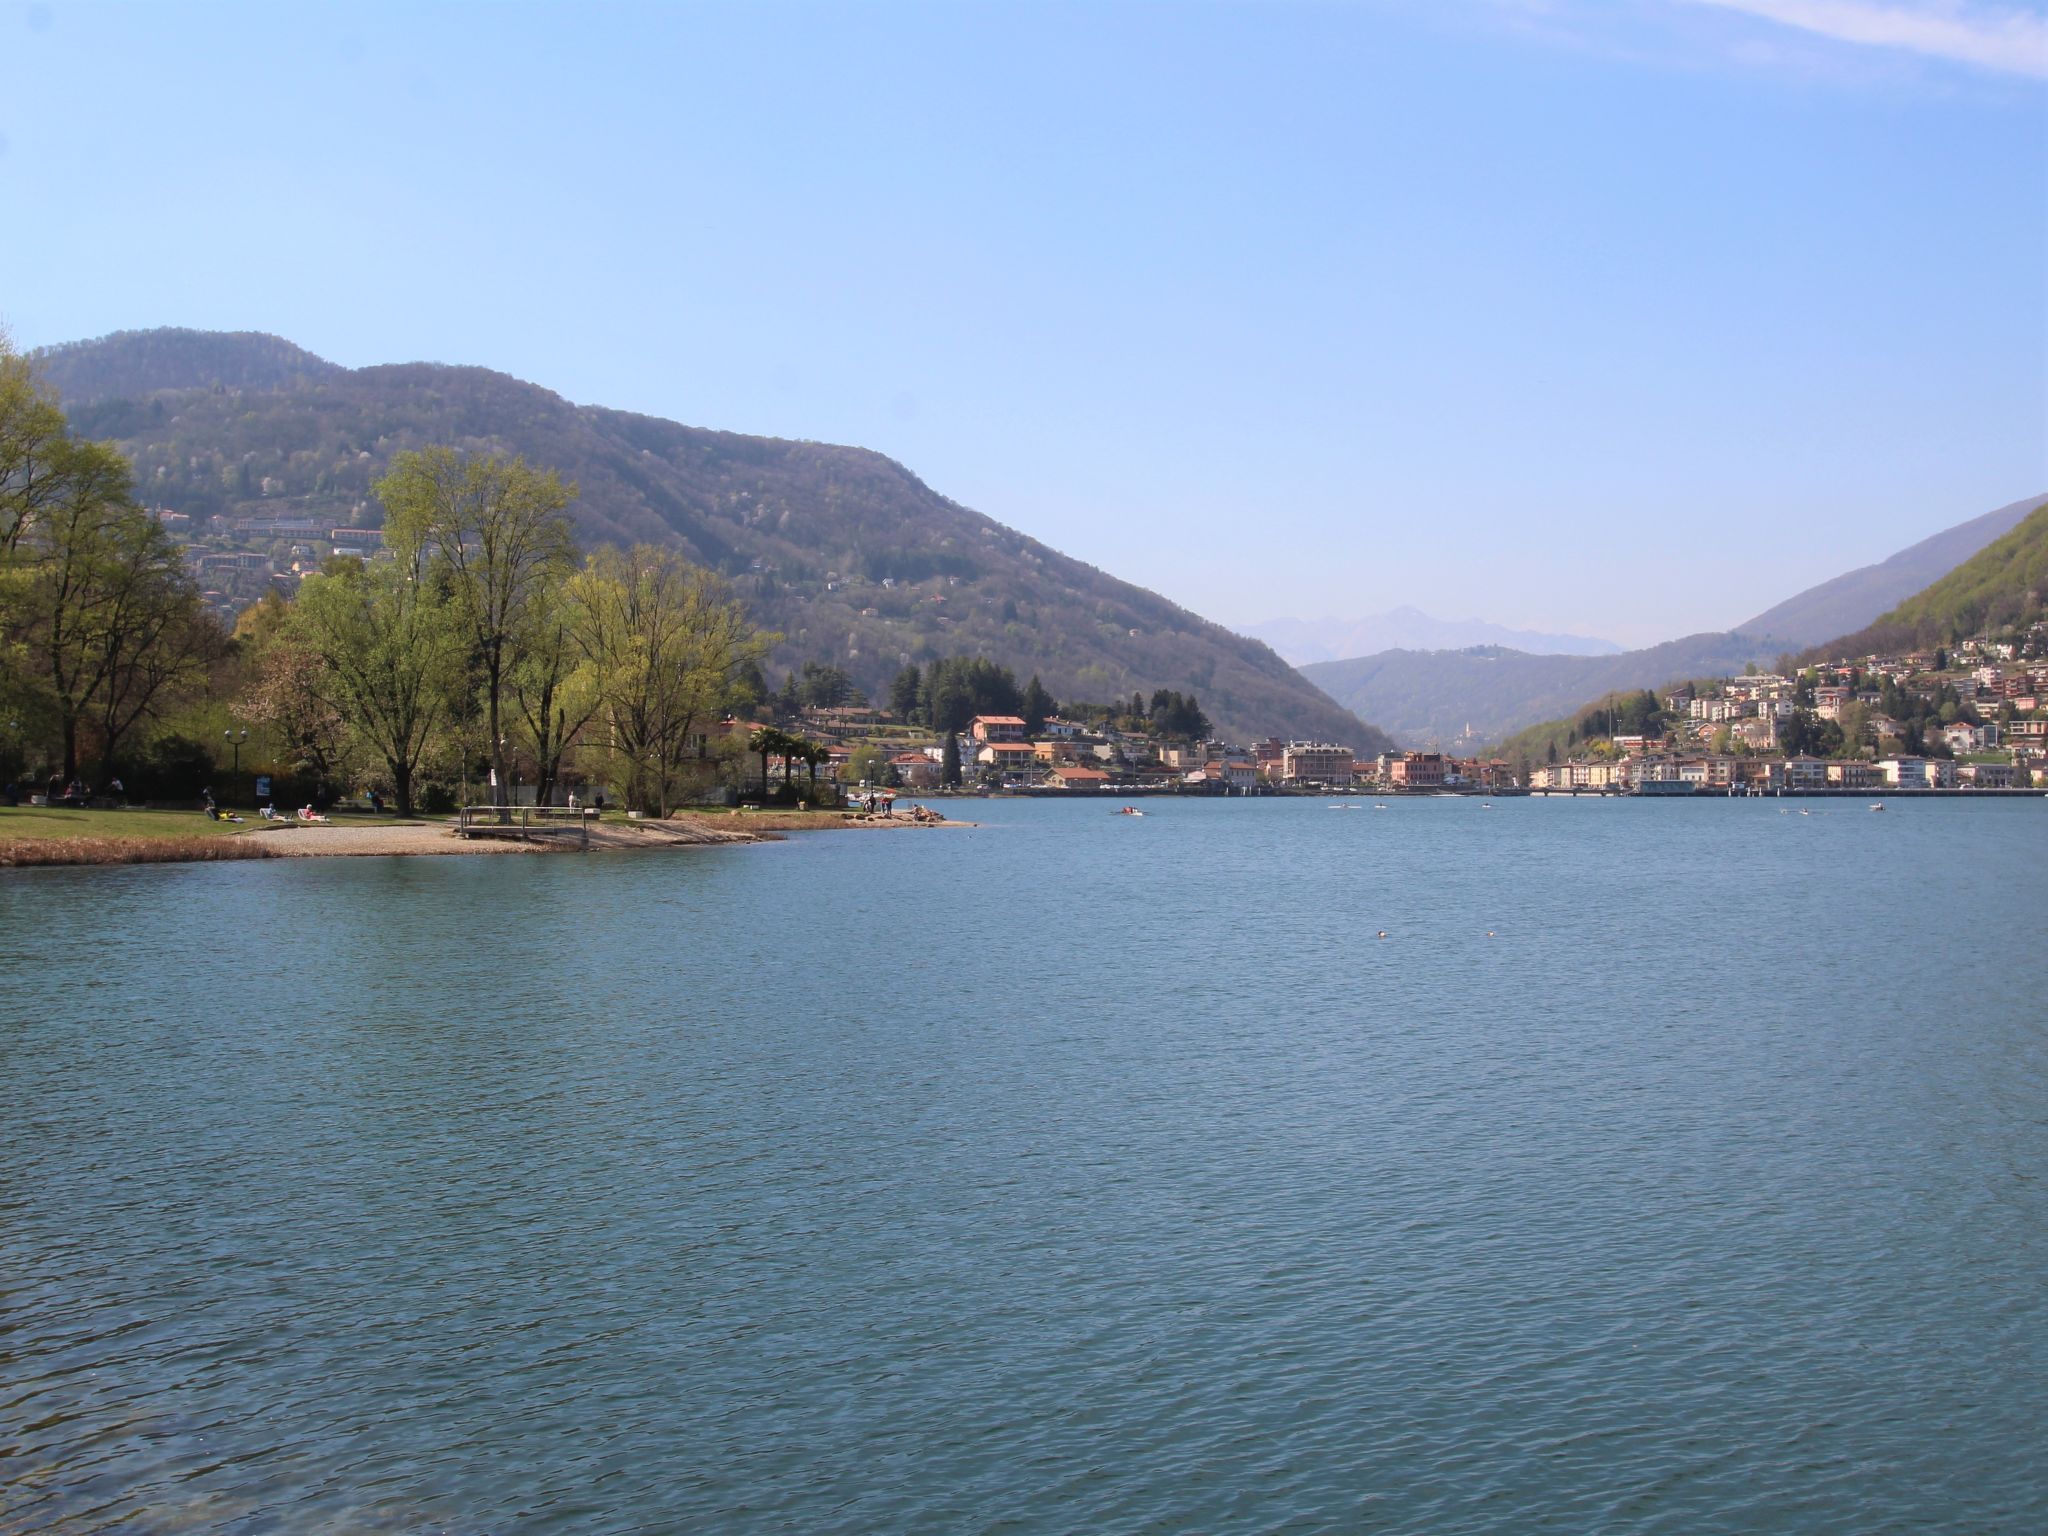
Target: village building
(996, 728)
(1314, 762)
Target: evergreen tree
(906, 693)
(949, 763)
(1037, 704)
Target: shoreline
(431, 839)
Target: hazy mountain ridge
(846, 552)
(2005, 583)
(1856, 598)
(1303, 641)
(1433, 697)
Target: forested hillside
(849, 555)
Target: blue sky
(1628, 317)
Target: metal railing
(528, 823)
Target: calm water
(1074, 1173)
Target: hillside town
(871, 747)
(1971, 718)
(236, 559)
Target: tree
(104, 605)
(1037, 705)
(1854, 723)
(867, 764)
(496, 533)
(390, 654)
(289, 698)
(960, 687)
(665, 644)
(905, 692)
(949, 762)
(554, 693)
(825, 687)
(1172, 715)
(38, 456)
(769, 742)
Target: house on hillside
(917, 770)
(1012, 759)
(996, 728)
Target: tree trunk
(401, 786)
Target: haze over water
(1072, 1173)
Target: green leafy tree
(949, 762)
(497, 535)
(867, 764)
(554, 693)
(390, 649)
(38, 455)
(664, 642)
(104, 607)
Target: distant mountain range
(1466, 699)
(846, 553)
(1480, 695)
(1303, 641)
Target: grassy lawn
(20, 823)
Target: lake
(1667, 1167)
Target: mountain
(145, 362)
(2002, 585)
(1999, 586)
(1302, 641)
(1462, 699)
(1483, 694)
(1850, 601)
(854, 559)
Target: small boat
(1877, 806)
(1379, 805)
(1128, 810)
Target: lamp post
(235, 740)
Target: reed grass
(45, 852)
